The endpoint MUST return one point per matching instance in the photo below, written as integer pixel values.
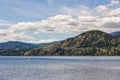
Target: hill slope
(15, 48)
(90, 43)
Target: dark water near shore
(60, 68)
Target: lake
(59, 68)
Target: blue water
(60, 68)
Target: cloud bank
(72, 20)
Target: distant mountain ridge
(116, 34)
(17, 48)
(14, 44)
(90, 43)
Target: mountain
(15, 48)
(116, 34)
(90, 43)
(17, 44)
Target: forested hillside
(90, 43)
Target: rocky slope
(90, 43)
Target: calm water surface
(59, 68)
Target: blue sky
(33, 10)
(39, 21)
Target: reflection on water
(59, 68)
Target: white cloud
(4, 23)
(114, 2)
(74, 20)
(79, 10)
(59, 23)
(10, 36)
(3, 33)
(44, 40)
(115, 12)
(66, 24)
(104, 11)
(101, 8)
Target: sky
(42, 21)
